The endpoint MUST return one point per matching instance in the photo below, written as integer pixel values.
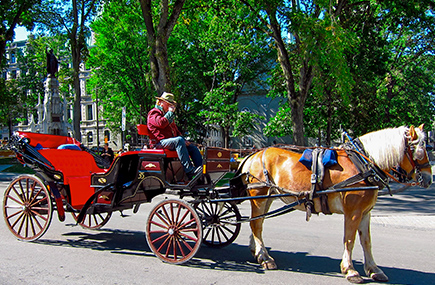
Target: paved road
(403, 233)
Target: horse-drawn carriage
(70, 178)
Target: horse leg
(370, 267)
(256, 243)
(351, 224)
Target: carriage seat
(143, 130)
(71, 163)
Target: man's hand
(171, 108)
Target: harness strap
(318, 171)
(265, 172)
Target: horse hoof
(269, 265)
(355, 279)
(380, 277)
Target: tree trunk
(296, 98)
(76, 59)
(329, 122)
(297, 116)
(158, 35)
(226, 136)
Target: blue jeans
(184, 151)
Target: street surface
(403, 237)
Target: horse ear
(412, 133)
(421, 127)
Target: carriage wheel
(219, 222)
(93, 221)
(174, 231)
(27, 207)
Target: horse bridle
(416, 167)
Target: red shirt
(160, 127)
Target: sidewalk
(8, 176)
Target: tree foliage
(13, 13)
(358, 65)
(120, 63)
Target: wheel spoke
(166, 220)
(16, 192)
(32, 204)
(180, 247)
(38, 214)
(166, 241)
(164, 235)
(14, 214)
(15, 200)
(93, 221)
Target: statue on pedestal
(52, 63)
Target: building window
(14, 74)
(13, 58)
(89, 113)
(90, 137)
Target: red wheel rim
(27, 208)
(174, 231)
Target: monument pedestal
(53, 121)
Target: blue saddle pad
(329, 158)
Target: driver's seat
(142, 129)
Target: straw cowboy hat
(167, 97)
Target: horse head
(416, 161)
(402, 146)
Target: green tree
(315, 42)
(12, 101)
(235, 60)
(223, 112)
(13, 13)
(121, 73)
(391, 66)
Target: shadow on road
(234, 257)
(415, 200)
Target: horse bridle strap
(416, 167)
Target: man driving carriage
(164, 133)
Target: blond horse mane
(385, 147)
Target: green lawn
(16, 167)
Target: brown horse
(386, 148)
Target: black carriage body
(135, 177)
